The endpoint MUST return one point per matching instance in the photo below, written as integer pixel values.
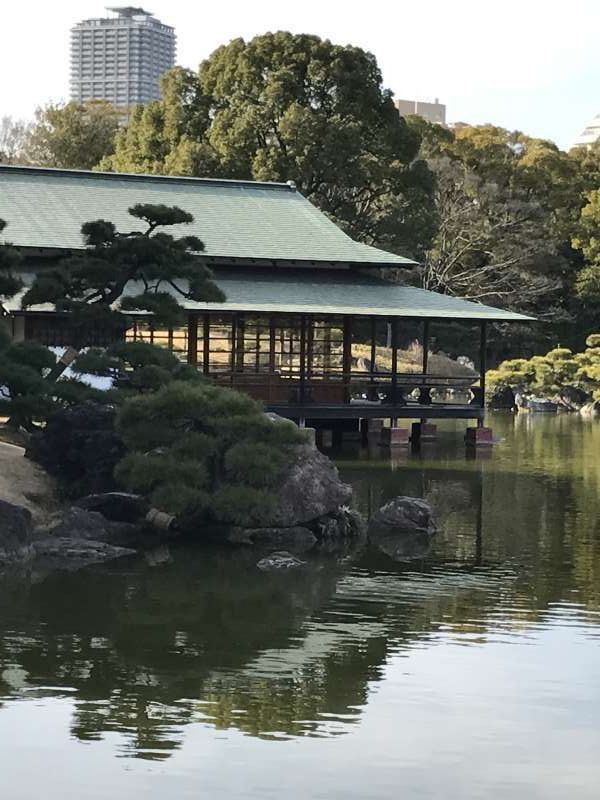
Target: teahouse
(306, 307)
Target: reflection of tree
(210, 638)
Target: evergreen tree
(292, 107)
(205, 453)
(143, 271)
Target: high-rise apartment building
(120, 58)
(434, 112)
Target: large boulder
(16, 529)
(77, 524)
(404, 514)
(311, 488)
(57, 552)
(80, 447)
(116, 506)
(403, 528)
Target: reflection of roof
(328, 292)
(248, 220)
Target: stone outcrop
(67, 553)
(403, 528)
(116, 506)
(81, 525)
(310, 489)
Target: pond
(469, 671)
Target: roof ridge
(289, 186)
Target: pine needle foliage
(145, 270)
(205, 453)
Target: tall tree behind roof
(72, 136)
(292, 107)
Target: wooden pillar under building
(482, 363)
(394, 343)
(425, 346)
(192, 334)
(347, 358)
(206, 344)
(302, 359)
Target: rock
(78, 524)
(311, 488)
(61, 552)
(116, 506)
(79, 446)
(535, 404)
(296, 539)
(16, 533)
(404, 514)
(502, 397)
(572, 398)
(403, 528)
(590, 410)
(281, 559)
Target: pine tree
(205, 453)
(142, 271)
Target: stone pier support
(395, 437)
(423, 432)
(479, 437)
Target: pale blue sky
(527, 64)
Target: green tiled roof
(45, 208)
(341, 291)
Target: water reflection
(207, 638)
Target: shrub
(205, 453)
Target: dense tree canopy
(72, 136)
(292, 107)
(506, 205)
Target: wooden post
(192, 349)
(347, 357)
(482, 361)
(271, 345)
(206, 344)
(425, 345)
(233, 347)
(394, 343)
(302, 358)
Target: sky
(531, 65)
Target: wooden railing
(356, 387)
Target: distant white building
(434, 112)
(590, 134)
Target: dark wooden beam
(206, 344)
(425, 345)
(347, 355)
(482, 360)
(192, 334)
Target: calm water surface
(471, 671)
